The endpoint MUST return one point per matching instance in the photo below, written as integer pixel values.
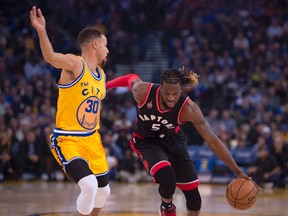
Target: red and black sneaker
(171, 211)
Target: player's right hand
(37, 19)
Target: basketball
(241, 194)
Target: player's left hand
(243, 175)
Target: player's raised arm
(68, 62)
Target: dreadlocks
(174, 76)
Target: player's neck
(92, 65)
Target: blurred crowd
(239, 49)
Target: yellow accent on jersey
(79, 103)
(90, 148)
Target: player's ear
(95, 44)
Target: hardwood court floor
(58, 199)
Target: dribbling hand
(243, 175)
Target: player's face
(170, 94)
(103, 50)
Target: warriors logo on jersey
(79, 103)
(87, 113)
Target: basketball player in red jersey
(159, 141)
(76, 142)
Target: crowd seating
(248, 79)
(213, 170)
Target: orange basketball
(241, 194)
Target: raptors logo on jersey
(153, 122)
(149, 105)
(157, 121)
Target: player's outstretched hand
(257, 186)
(243, 175)
(37, 19)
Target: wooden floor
(58, 199)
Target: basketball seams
(232, 201)
(241, 206)
(239, 189)
(232, 195)
(235, 199)
(247, 193)
(235, 196)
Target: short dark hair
(88, 34)
(174, 76)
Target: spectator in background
(114, 152)
(213, 119)
(31, 157)
(227, 121)
(254, 132)
(122, 139)
(4, 105)
(112, 163)
(267, 134)
(240, 42)
(274, 30)
(280, 152)
(265, 169)
(129, 109)
(274, 101)
(109, 142)
(273, 74)
(261, 143)
(7, 171)
(31, 67)
(131, 169)
(122, 123)
(254, 96)
(245, 110)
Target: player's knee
(167, 181)
(101, 196)
(77, 169)
(85, 201)
(193, 199)
(88, 185)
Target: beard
(164, 103)
(103, 63)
